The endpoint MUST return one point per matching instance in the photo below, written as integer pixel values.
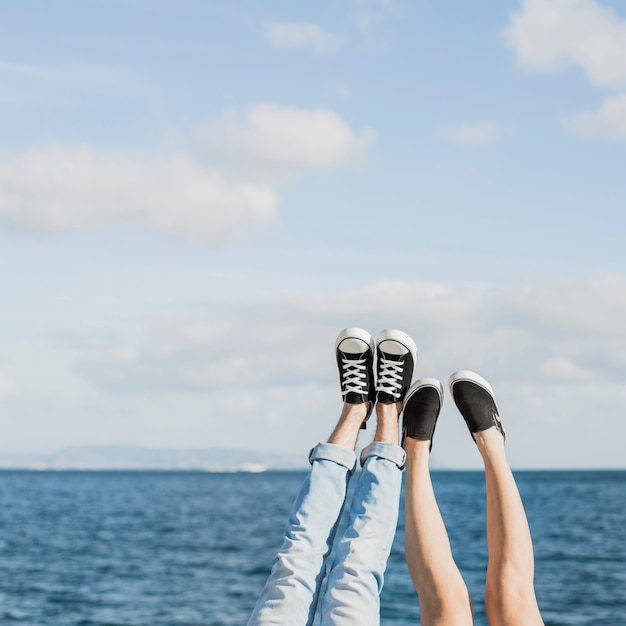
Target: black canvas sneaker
(421, 409)
(354, 348)
(396, 355)
(476, 401)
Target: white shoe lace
(355, 376)
(390, 377)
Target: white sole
(470, 376)
(420, 384)
(402, 338)
(355, 333)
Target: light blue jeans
(325, 578)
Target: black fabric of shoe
(354, 349)
(477, 406)
(397, 371)
(356, 375)
(395, 361)
(421, 410)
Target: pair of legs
(509, 590)
(320, 576)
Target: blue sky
(195, 198)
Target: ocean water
(165, 548)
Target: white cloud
(210, 351)
(284, 35)
(8, 386)
(287, 135)
(554, 350)
(607, 123)
(474, 133)
(284, 139)
(567, 330)
(551, 34)
(548, 35)
(370, 13)
(60, 188)
(562, 368)
(67, 75)
(64, 85)
(263, 376)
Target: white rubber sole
(355, 333)
(420, 384)
(470, 376)
(399, 337)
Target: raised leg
(509, 591)
(443, 596)
(360, 556)
(290, 594)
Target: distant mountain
(141, 458)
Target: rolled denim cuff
(389, 451)
(336, 454)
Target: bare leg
(348, 427)
(443, 596)
(387, 422)
(509, 591)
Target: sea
(194, 548)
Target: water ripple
(150, 548)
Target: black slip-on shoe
(421, 409)
(396, 355)
(476, 401)
(354, 349)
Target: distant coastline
(132, 457)
(219, 460)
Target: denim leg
(360, 556)
(290, 595)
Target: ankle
(490, 442)
(355, 412)
(347, 430)
(387, 429)
(387, 423)
(388, 411)
(416, 447)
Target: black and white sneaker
(421, 409)
(354, 348)
(476, 401)
(395, 360)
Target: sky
(197, 196)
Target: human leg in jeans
(509, 590)
(360, 555)
(291, 593)
(290, 596)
